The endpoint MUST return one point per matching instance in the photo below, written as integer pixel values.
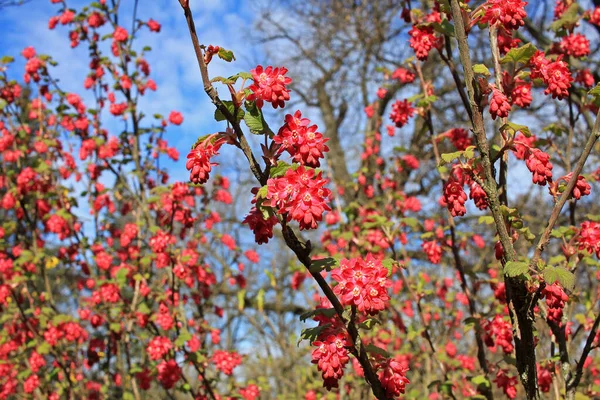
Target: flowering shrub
(118, 282)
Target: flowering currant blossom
(539, 164)
(422, 40)
(508, 13)
(393, 377)
(555, 300)
(198, 160)
(589, 237)
(576, 45)
(301, 140)
(455, 198)
(362, 283)
(269, 85)
(331, 356)
(301, 194)
(499, 105)
(401, 112)
(226, 361)
(261, 226)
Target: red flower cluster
(301, 140)
(506, 383)
(459, 137)
(508, 13)
(576, 45)
(301, 194)
(331, 356)
(589, 237)
(498, 332)
(499, 105)
(422, 40)
(539, 164)
(433, 251)
(261, 226)
(226, 361)
(393, 377)
(478, 195)
(557, 77)
(401, 112)
(159, 347)
(269, 85)
(403, 75)
(362, 283)
(555, 300)
(455, 198)
(198, 160)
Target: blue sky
(172, 61)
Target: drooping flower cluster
(261, 226)
(555, 300)
(331, 356)
(301, 140)
(459, 137)
(433, 250)
(270, 86)
(498, 332)
(393, 377)
(422, 40)
(499, 105)
(508, 13)
(506, 383)
(589, 237)
(362, 283)
(455, 198)
(301, 195)
(538, 162)
(401, 112)
(198, 160)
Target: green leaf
(184, 336)
(226, 55)
(311, 334)
(445, 28)
(481, 380)
(43, 348)
(449, 157)
(486, 219)
(3, 104)
(563, 276)
(514, 128)
(327, 263)
(260, 300)
(241, 296)
(595, 92)
(389, 264)
(568, 18)
(516, 268)
(481, 69)
(7, 59)
(519, 54)
(115, 327)
(122, 276)
(279, 170)
(219, 116)
(369, 323)
(371, 348)
(327, 312)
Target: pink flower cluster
(270, 86)
(362, 283)
(301, 195)
(301, 140)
